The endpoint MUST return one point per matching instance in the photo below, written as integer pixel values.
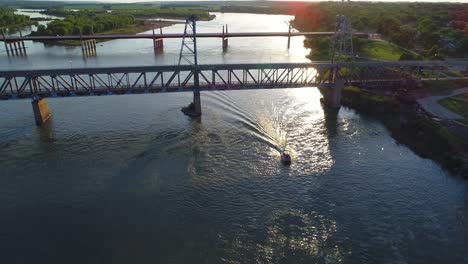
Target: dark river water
(129, 179)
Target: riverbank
(411, 126)
(139, 27)
(149, 12)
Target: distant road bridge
(172, 35)
(14, 45)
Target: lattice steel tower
(342, 40)
(188, 54)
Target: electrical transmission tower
(342, 40)
(188, 50)
(342, 50)
(188, 54)
(342, 47)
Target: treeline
(136, 11)
(178, 13)
(434, 29)
(85, 23)
(252, 9)
(8, 19)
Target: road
(431, 105)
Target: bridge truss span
(137, 80)
(179, 78)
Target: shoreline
(409, 125)
(137, 28)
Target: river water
(129, 179)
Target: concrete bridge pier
(88, 47)
(194, 108)
(334, 100)
(225, 39)
(332, 93)
(21, 44)
(197, 101)
(41, 111)
(158, 43)
(14, 48)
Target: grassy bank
(381, 50)
(458, 105)
(426, 137)
(371, 49)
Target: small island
(102, 19)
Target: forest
(95, 19)
(137, 11)
(8, 19)
(433, 30)
(85, 23)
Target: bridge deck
(236, 66)
(171, 78)
(173, 35)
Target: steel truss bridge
(157, 79)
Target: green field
(377, 50)
(458, 105)
(381, 50)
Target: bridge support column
(158, 43)
(332, 93)
(15, 48)
(225, 44)
(225, 39)
(334, 99)
(194, 108)
(88, 47)
(41, 111)
(197, 101)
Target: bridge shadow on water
(331, 121)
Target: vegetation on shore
(137, 11)
(10, 20)
(458, 105)
(433, 30)
(372, 49)
(94, 18)
(107, 19)
(94, 23)
(421, 133)
(85, 23)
